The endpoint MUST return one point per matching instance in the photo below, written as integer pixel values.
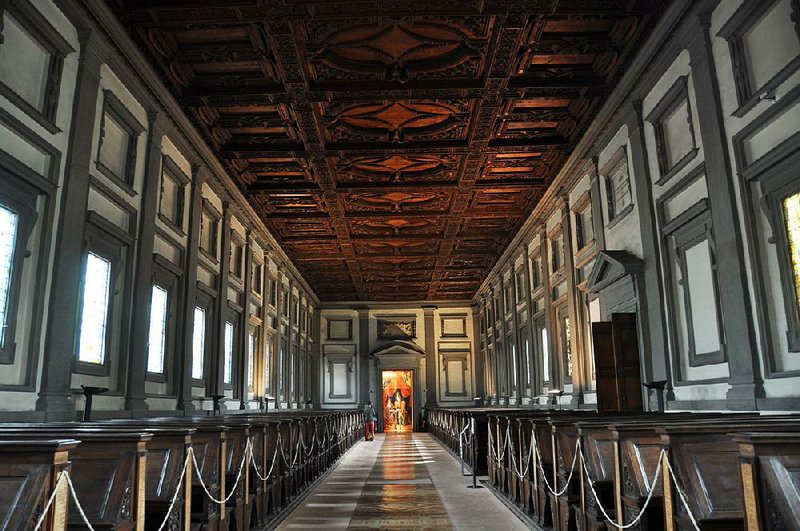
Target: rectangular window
(513, 365)
(198, 343)
(545, 357)
(791, 216)
(584, 232)
(251, 351)
(9, 221)
(228, 370)
(267, 361)
(157, 343)
(95, 309)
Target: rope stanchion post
(669, 499)
(474, 449)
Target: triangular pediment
(610, 266)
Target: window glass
(251, 349)
(198, 343)
(8, 237)
(228, 374)
(791, 213)
(158, 331)
(545, 356)
(94, 316)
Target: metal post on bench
(88, 392)
(659, 387)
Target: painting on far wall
(397, 328)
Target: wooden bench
(705, 460)
(105, 470)
(769, 464)
(29, 472)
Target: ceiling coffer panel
(393, 149)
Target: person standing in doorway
(369, 422)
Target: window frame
(167, 275)
(133, 128)
(37, 25)
(171, 170)
(23, 202)
(108, 241)
(205, 301)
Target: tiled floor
(400, 481)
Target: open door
(398, 390)
(616, 351)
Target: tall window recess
(251, 353)
(17, 219)
(157, 343)
(784, 203)
(228, 363)
(9, 224)
(267, 360)
(198, 343)
(95, 309)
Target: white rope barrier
(83, 513)
(247, 449)
(53, 494)
(272, 466)
(682, 496)
(541, 469)
(190, 455)
(639, 516)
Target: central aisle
(400, 481)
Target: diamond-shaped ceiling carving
(394, 148)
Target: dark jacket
(369, 414)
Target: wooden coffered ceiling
(393, 147)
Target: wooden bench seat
(105, 470)
(29, 471)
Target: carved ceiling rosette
(396, 247)
(397, 121)
(397, 50)
(398, 201)
(397, 168)
(352, 123)
(395, 226)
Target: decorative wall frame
(397, 327)
(674, 98)
(745, 17)
(38, 28)
(339, 329)
(453, 325)
(170, 171)
(115, 110)
(611, 171)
